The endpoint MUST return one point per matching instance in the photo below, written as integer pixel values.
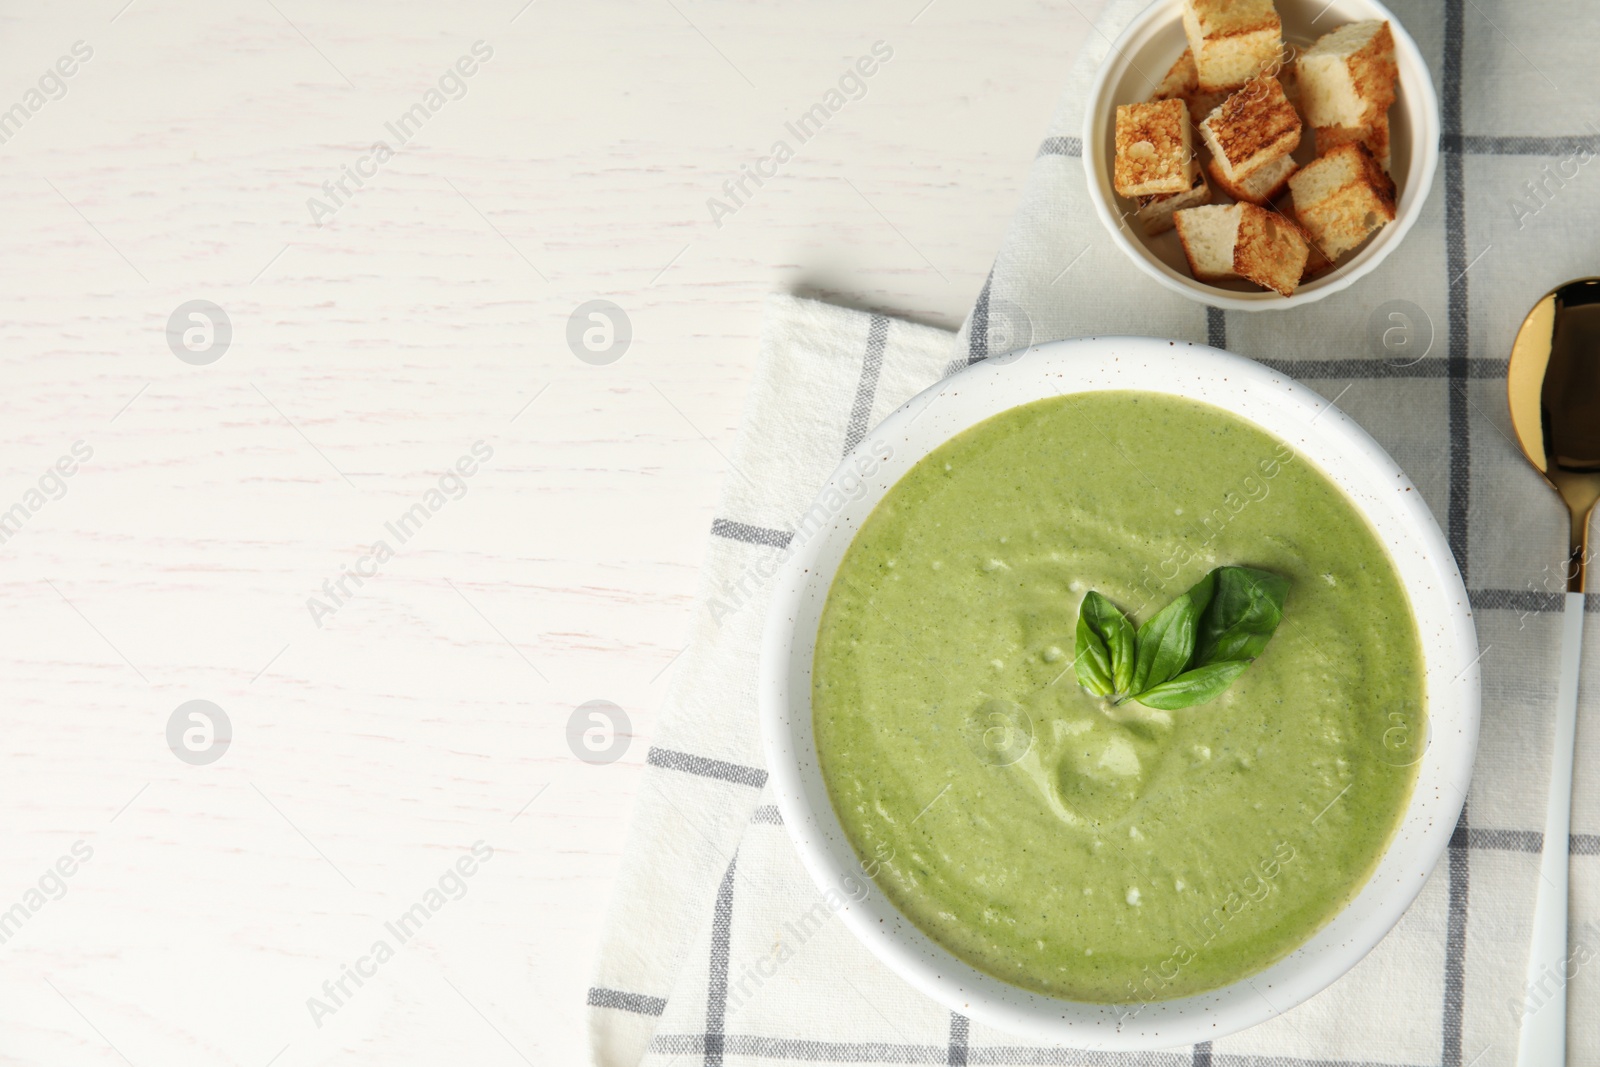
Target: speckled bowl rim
(1416, 98)
(1318, 432)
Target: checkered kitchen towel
(719, 948)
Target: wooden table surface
(270, 523)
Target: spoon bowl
(1553, 385)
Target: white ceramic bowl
(1321, 435)
(1142, 55)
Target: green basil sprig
(1105, 647)
(1190, 650)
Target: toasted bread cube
(1252, 128)
(1232, 40)
(1316, 262)
(1348, 77)
(1341, 198)
(1156, 211)
(1208, 235)
(1270, 250)
(1262, 186)
(1375, 135)
(1155, 149)
(1288, 76)
(1242, 241)
(1182, 83)
(1203, 104)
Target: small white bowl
(1141, 56)
(1319, 433)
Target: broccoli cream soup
(1075, 845)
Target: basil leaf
(1112, 627)
(1193, 687)
(1165, 642)
(1093, 661)
(1244, 612)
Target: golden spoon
(1553, 385)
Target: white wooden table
(423, 708)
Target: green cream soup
(1113, 854)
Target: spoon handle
(1543, 1041)
(1578, 555)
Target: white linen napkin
(720, 950)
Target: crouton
(1252, 128)
(1348, 77)
(1156, 211)
(1232, 40)
(1181, 80)
(1341, 198)
(1182, 83)
(1155, 150)
(1316, 262)
(1269, 250)
(1242, 241)
(1261, 186)
(1208, 235)
(1203, 104)
(1375, 135)
(1287, 75)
